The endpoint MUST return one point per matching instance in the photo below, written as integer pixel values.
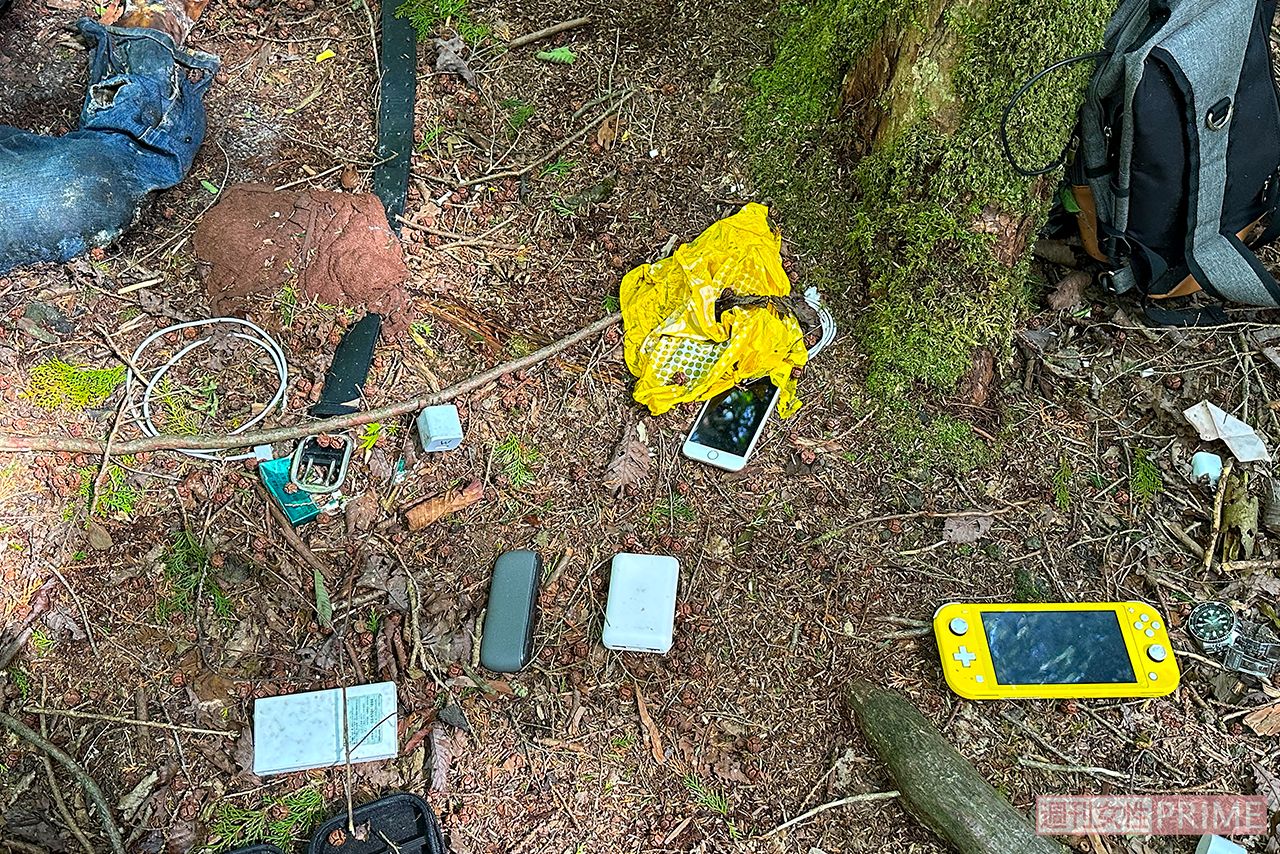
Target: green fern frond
(558, 55)
(1145, 483)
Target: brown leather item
(1087, 219)
(1189, 285)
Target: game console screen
(1057, 647)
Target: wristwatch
(1244, 645)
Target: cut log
(939, 786)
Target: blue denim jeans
(140, 127)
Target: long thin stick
(171, 442)
(1216, 529)
(534, 164)
(852, 799)
(82, 777)
(555, 30)
(84, 615)
(92, 716)
(287, 531)
(61, 805)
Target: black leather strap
(395, 114)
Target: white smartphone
(730, 424)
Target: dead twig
(534, 164)
(171, 442)
(851, 799)
(287, 531)
(59, 803)
(96, 491)
(919, 514)
(93, 716)
(458, 239)
(84, 614)
(1216, 530)
(1256, 565)
(82, 777)
(557, 29)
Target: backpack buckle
(1219, 114)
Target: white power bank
(640, 615)
(299, 731)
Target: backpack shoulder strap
(1210, 78)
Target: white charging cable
(828, 322)
(255, 335)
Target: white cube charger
(439, 428)
(640, 615)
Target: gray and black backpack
(1174, 172)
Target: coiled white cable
(256, 336)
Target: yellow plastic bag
(674, 345)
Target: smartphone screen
(731, 419)
(1057, 647)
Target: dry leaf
(1265, 720)
(1055, 252)
(111, 12)
(183, 836)
(361, 513)
(99, 536)
(607, 134)
(1069, 291)
(441, 758)
(655, 736)
(425, 512)
(449, 59)
(630, 465)
(243, 754)
(963, 530)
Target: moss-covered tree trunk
(876, 128)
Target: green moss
(56, 384)
(916, 218)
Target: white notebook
(299, 731)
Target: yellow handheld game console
(1019, 651)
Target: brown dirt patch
(336, 247)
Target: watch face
(1211, 622)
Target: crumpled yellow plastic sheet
(675, 346)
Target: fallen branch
(547, 33)
(1216, 528)
(82, 777)
(937, 784)
(67, 818)
(289, 534)
(172, 442)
